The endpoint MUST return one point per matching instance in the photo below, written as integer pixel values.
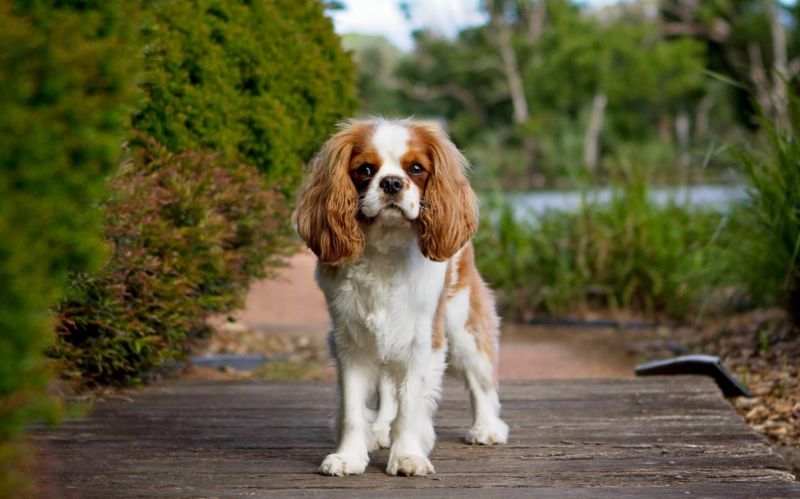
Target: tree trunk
(592, 144)
(779, 73)
(701, 122)
(759, 78)
(536, 18)
(682, 133)
(514, 78)
(502, 38)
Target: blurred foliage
(759, 249)
(265, 82)
(651, 63)
(377, 61)
(187, 232)
(630, 253)
(68, 77)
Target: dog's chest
(383, 302)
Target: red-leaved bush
(187, 233)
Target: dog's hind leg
(473, 330)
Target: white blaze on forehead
(391, 141)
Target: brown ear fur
(328, 201)
(449, 211)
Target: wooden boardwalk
(621, 438)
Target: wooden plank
(755, 491)
(646, 437)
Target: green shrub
(760, 249)
(187, 234)
(629, 253)
(67, 81)
(263, 81)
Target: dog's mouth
(391, 211)
(393, 206)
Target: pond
(718, 197)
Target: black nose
(391, 185)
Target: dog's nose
(391, 185)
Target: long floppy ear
(449, 210)
(328, 201)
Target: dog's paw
(380, 437)
(410, 466)
(488, 433)
(343, 464)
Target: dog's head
(386, 173)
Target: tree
(748, 41)
(540, 72)
(377, 61)
(264, 82)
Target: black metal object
(707, 365)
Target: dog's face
(386, 173)
(390, 173)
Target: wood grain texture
(643, 437)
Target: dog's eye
(366, 170)
(416, 169)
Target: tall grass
(629, 253)
(760, 249)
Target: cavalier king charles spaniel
(389, 212)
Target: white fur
(383, 306)
(391, 141)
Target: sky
(384, 17)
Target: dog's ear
(449, 210)
(328, 201)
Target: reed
(760, 248)
(629, 253)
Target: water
(718, 197)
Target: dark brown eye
(366, 170)
(416, 169)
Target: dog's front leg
(387, 410)
(412, 429)
(356, 378)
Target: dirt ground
(292, 306)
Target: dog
(389, 212)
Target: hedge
(187, 234)
(67, 83)
(264, 81)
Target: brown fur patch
(465, 264)
(448, 215)
(329, 271)
(482, 321)
(327, 206)
(439, 333)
